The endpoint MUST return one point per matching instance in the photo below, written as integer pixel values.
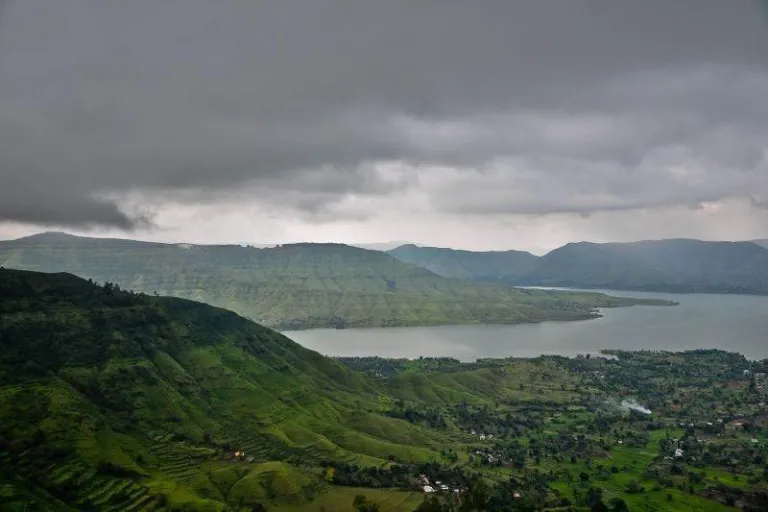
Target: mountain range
(674, 265)
(296, 286)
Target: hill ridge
(295, 286)
(669, 265)
(113, 400)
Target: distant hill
(478, 266)
(676, 265)
(381, 246)
(297, 286)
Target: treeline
(385, 368)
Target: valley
(392, 256)
(124, 401)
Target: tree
(477, 496)
(633, 487)
(362, 504)
(594, 496)
(619, 505)
(431, 504)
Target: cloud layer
(321, 110)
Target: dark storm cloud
(593, 105)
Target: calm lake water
(737, 323)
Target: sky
(480, 125)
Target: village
(631, 425)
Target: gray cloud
(534, 107)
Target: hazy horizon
(521, 125)
(380, 246)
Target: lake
(736, 323)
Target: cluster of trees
(418, 413)
(491, 421)
(529, 492)
(403, 476)
(353, 475)
(386, 368)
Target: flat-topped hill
(297, 286)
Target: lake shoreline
(700, 321)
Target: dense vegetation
(112, 400)
(478, 266)
(677, 266)
(298, 286)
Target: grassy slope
(106, 399)
(297, 286)
(664, 265)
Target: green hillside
(665, 265)
(116, 401)
(299, 285)
(679, 265)
(478, 266)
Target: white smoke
(633, 405)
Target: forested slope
(298, 285)
(116, 401)
(675, 265)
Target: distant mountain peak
(49, 235)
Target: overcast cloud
(459, 123)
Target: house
(482, 437)
(428, 489)
(678, 453)
(444, 487)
